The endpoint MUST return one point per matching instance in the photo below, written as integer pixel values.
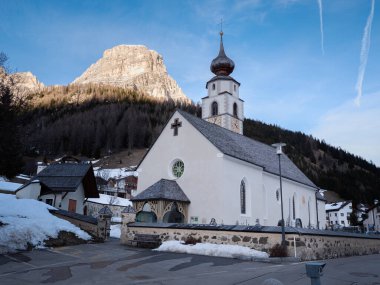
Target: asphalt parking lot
(112, 263)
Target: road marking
(211, 273)
(20, 261)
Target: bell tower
(222, 105)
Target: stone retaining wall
(308, 246)
(98, 228)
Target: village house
(65, 186)
(204, 170)
(338, 214)
(372, 223)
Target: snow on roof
(110, 200)
(116, 173)
(336, 206)
(9, 186)
(27, 221)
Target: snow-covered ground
(115, 231)
(27, 221)
(110, 200)
(9, 186)
(222, 250)
(115, 173)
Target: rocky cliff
(135, 67)
(26, 82)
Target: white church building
(204, 170)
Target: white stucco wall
(202, 165)
(31, 191)
(322, 214)
(373, 220)
(221, 86)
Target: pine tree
(10, 146)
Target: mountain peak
(133, 67)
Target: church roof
(247, 149)
(163, 190)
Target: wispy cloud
(321, 24)
(366, 42)
(352, 128)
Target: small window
(235, 111)
(336, 214)
(234, 87)
(49, 202)
(214, 108)
(341, 214)
(213, 86)
(342, 222)
(242, 197)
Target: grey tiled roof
(66, 176)
(246, 149)
(163, 190)
(129, 209)
(105, 211)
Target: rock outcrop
(134, 67)
(26, 82)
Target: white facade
(372, 223)
(338, 214)
(60, 200)
(225, 93)
(211, 180)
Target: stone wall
(308, 246)
(98, 228)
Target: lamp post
(278, 147)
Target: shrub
(278, 251)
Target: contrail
(321, 25)
(366, 42)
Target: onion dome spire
(222, 64)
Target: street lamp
(278, 147)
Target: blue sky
(287, 77)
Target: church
(204, 170)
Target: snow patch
(29, 222)
(9, 186)
(221, 250)
(115, 231)
(105, 199)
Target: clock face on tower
(235, 125)
(215, 120)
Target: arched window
(294, 207)
(213, 86)
(235, 111)
(242, 197)
(214, 108)
(146, 215)
(174, 216)
(234, 87)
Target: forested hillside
(93, 121)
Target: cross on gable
(177, 124)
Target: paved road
(112, 263)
